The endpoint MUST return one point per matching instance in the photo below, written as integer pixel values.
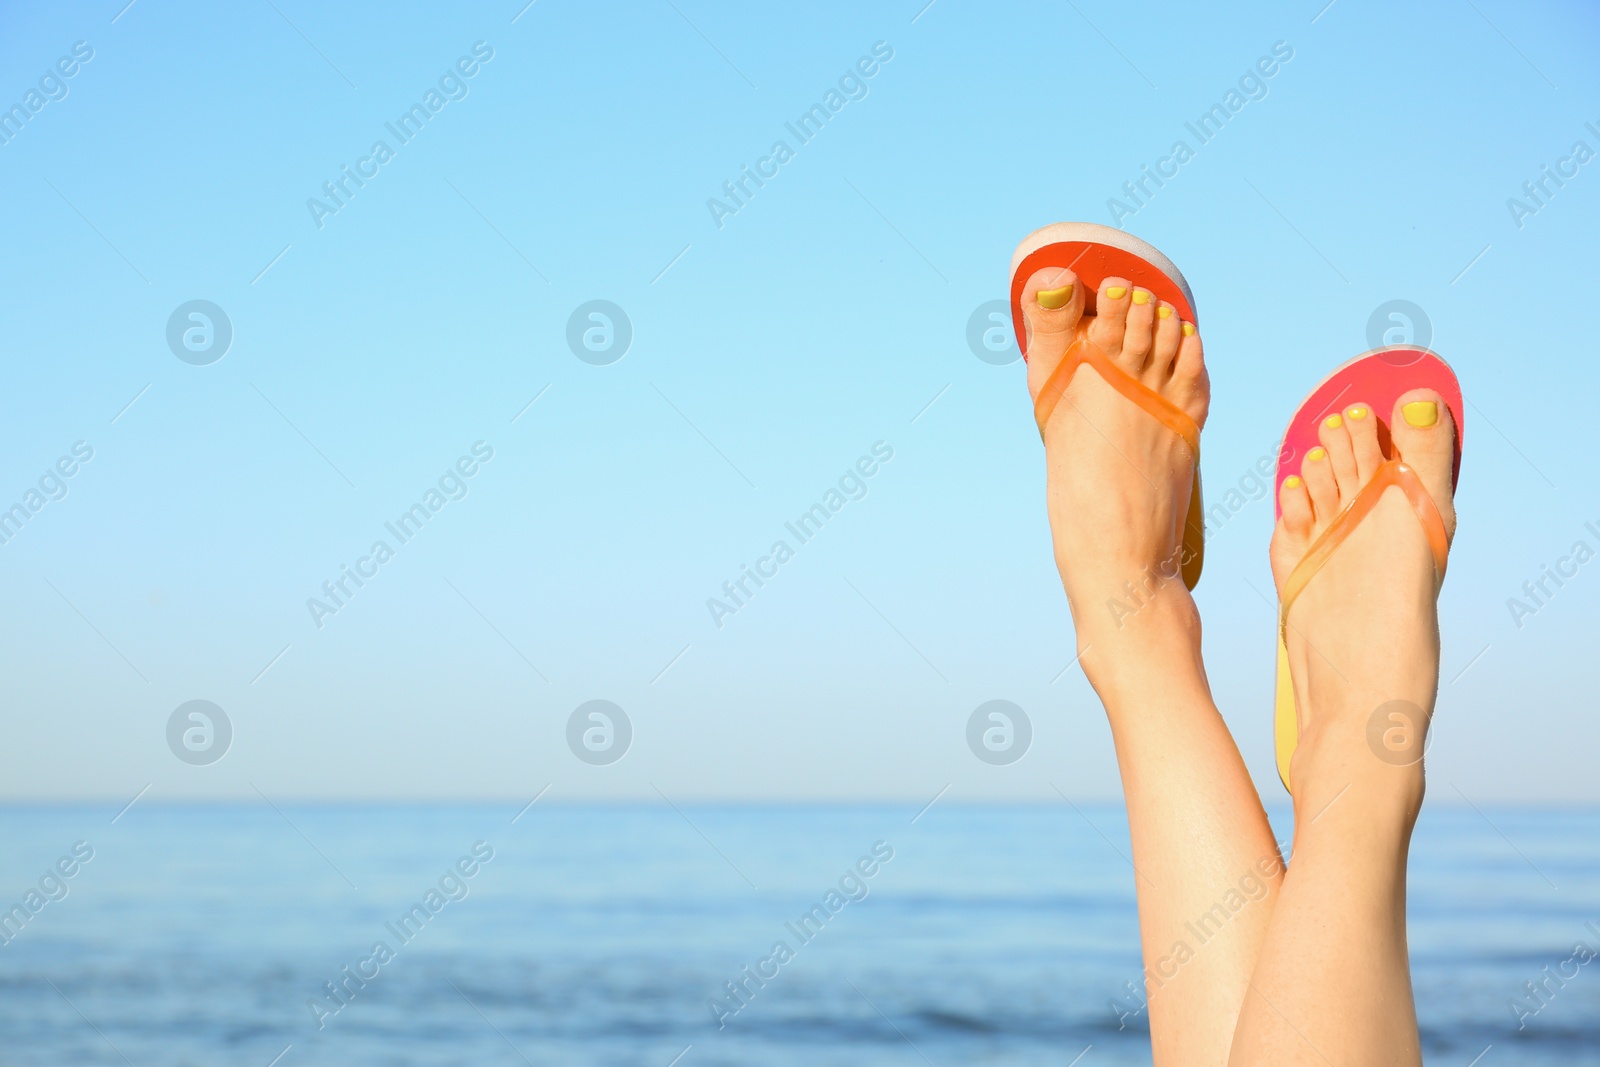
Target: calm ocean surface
(597, 935)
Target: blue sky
(772, 349)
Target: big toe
(1052, 305)
(1424, 436)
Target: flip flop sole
(1376, 378)
(1094, 253)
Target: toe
(1363, 429)
(1295, 501)
(1425, 437)
(1320, 484)
(1190, 365)
(1052, 305)
(1110, 320)
(1138, 338)
(1164, 355)
(1341, 455)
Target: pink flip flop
(1377, 379)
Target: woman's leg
(1118, 488)
(1333, 983)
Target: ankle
(1106, 601)
(1336, 764)
(1116, 590)
(1155, 648)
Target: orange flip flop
(1376, 379)
(1095, 253)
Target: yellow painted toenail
(1116, 292)
(1292, 482)
(1358, 413)
(1141, 297)
(1318, 453)
(1333, 422)
(1051, 299)
(1188, 329)
(1163, 313)
(1420, 413)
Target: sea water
(598, 935)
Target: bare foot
(1118, 480)
(1364, 633)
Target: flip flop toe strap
(1393, 473)
(1084, 351)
